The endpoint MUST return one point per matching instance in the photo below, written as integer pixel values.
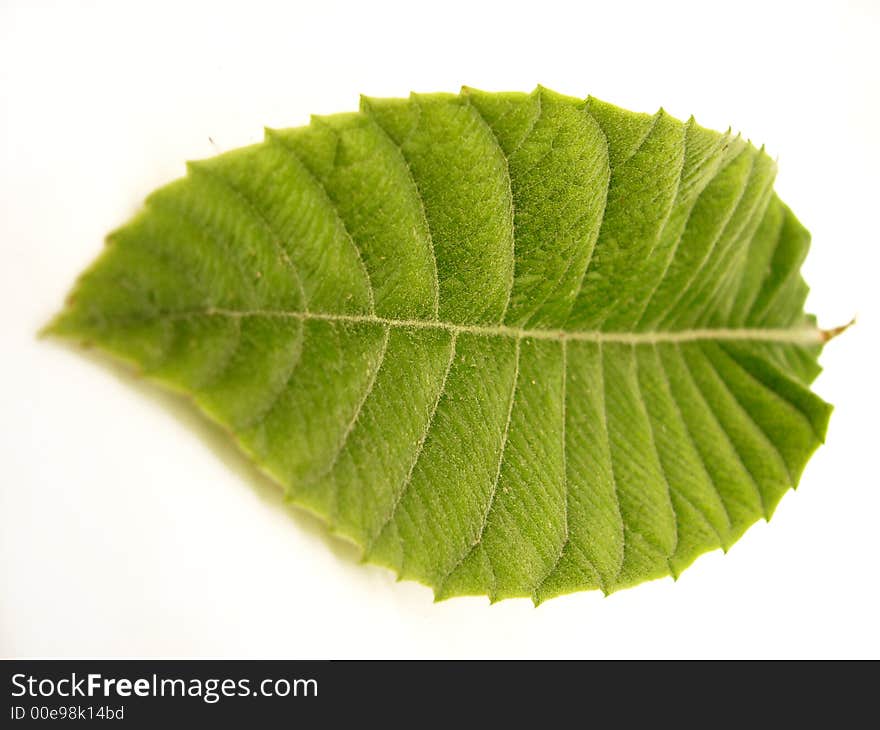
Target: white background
(128, 527)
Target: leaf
(509, 344)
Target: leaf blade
(510, 344)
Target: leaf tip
(48, 329)
(62, 324)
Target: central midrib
(796, 336)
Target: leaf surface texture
(509, 344)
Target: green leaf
(509, 344)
